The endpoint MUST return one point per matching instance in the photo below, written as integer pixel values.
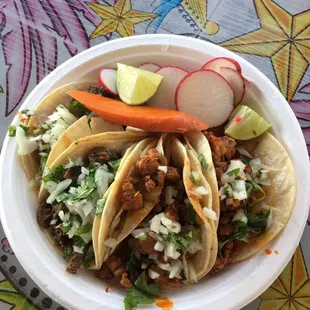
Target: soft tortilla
(281, 195)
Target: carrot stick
(144, 117)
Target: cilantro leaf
(88, 257)
(245, 160)
(115, 164)
(27, 112)
(142, 286)
(12, 131)
(65, 227)
(26, 128)
(234, 172)
(180, 242)
(67, 252)
(100, 206)
(259, 220)
(240, 231)
(78, 109)
(133, 263)
(194, 180)
(86, 228)
(135, 298)
(54, 175)
(191, 213)
(203, 161)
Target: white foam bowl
(231, 289)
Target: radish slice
(216, 63)
(206, 95)
(149, 66)
(236, 82)
(164, 97)
(107, 79)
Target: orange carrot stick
(144, 117)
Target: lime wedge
(136, 86)
(245, 124)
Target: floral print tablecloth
(38, 35)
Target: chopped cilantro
(194, 180)
(180, 241)
(86, 228)
(203, 161)
(27, 112)
(54, 175)
(79, 242)
(67, 252)
(142, 286)
(133, 263)
(12, 131)
(245, 160)
(115, 164)
(37, 131)
(259, 220)
(234, 172)
(135, 298)
(78, 109)
(100, 206)
(240, 230)
(26, 128)
(88, 257)
(65, 227)
(191, 213)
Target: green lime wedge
(245, 124)
(135, 86)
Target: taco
(75, 192)
(54, 124)
(257, 191)
(171, 245)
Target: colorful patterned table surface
(38, 35)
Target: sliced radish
(164, 97)
(216, 63)
(236, 82)
(149, 66)
(206, 95)
(107, 79)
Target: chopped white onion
(153, 274)
(62, 186)
(243, 151)
(77, 249)
(234, 164)
(64, 113)
(163, 230)
(194, 247)
(88, 207)
(185, 267)
(164, 169)
(72, 232)
(209, 213)
(24, 145)
(240, 216)
(155, 223)
(192, 272)
(79, 161)
(239, 189)
(269, 220)
(159, 246)
(199, 191)
(53, 222)
(143, 265)
(256, 165)
(169, 195)
(176, 268)
(85, 170)
(50, 186)
(162, 266)
(61, 215)
(153, 256)
(137, 233)
(102, 179)
(110, 242)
